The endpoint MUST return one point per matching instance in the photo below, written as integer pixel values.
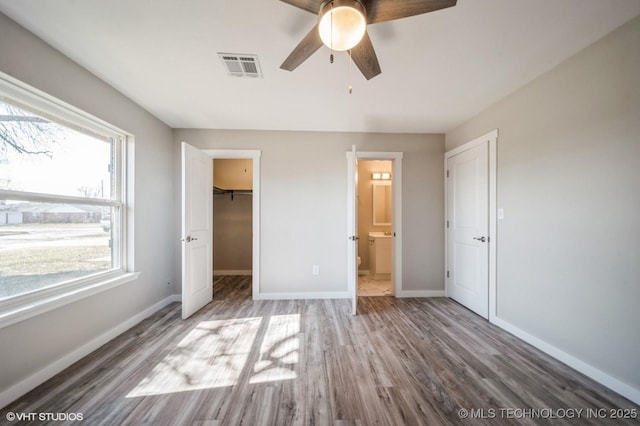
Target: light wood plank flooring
(295, 362)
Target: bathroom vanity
(380, 255)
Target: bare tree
(23, 132)
(89, 191)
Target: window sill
(21, 309)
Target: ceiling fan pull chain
(350, 60)
(331, 55)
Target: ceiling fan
(342, 25)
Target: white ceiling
(438, 69)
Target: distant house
(10, 218)
(14, 214)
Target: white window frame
(30, 304)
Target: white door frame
(492, 138)
(352, 228)
(253, 154)
(396, 193)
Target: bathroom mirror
(382, 203)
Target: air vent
(241, 65)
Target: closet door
(468, 228)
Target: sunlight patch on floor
(212, 355)
(279, 352)
(215, 353)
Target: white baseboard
(588, 370)
(302, 296)
(232, 272)
(342, 295)
(16, 391)
(420, 293)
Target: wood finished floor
(293, 362)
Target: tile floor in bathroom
(367, 286)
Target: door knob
(481, 239)
(189, 239)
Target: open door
(352, 227)
(197, 229)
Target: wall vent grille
(241, 65)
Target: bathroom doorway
(375, 228)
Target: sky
(76, 160)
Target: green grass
(25, 270)
(50, 260)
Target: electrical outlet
(316, 270)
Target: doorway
(375, 227)
(354, 233)
(252, 158)
(232, 216)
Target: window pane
(44, 244)
(39, 155)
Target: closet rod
(232, 192)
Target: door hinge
(447, 274)
(447, 224)
(447, 173)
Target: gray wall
(304, 202)
(33, 344)
(569, 183)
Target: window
(62, 199)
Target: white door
(468, 228)
(352, 228)
(197, 229)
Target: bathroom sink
(378, 234)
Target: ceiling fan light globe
(349, 25)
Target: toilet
(358, 267)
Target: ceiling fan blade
(365, 58)
(388, 10)
(312, 6)
(309, 44)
